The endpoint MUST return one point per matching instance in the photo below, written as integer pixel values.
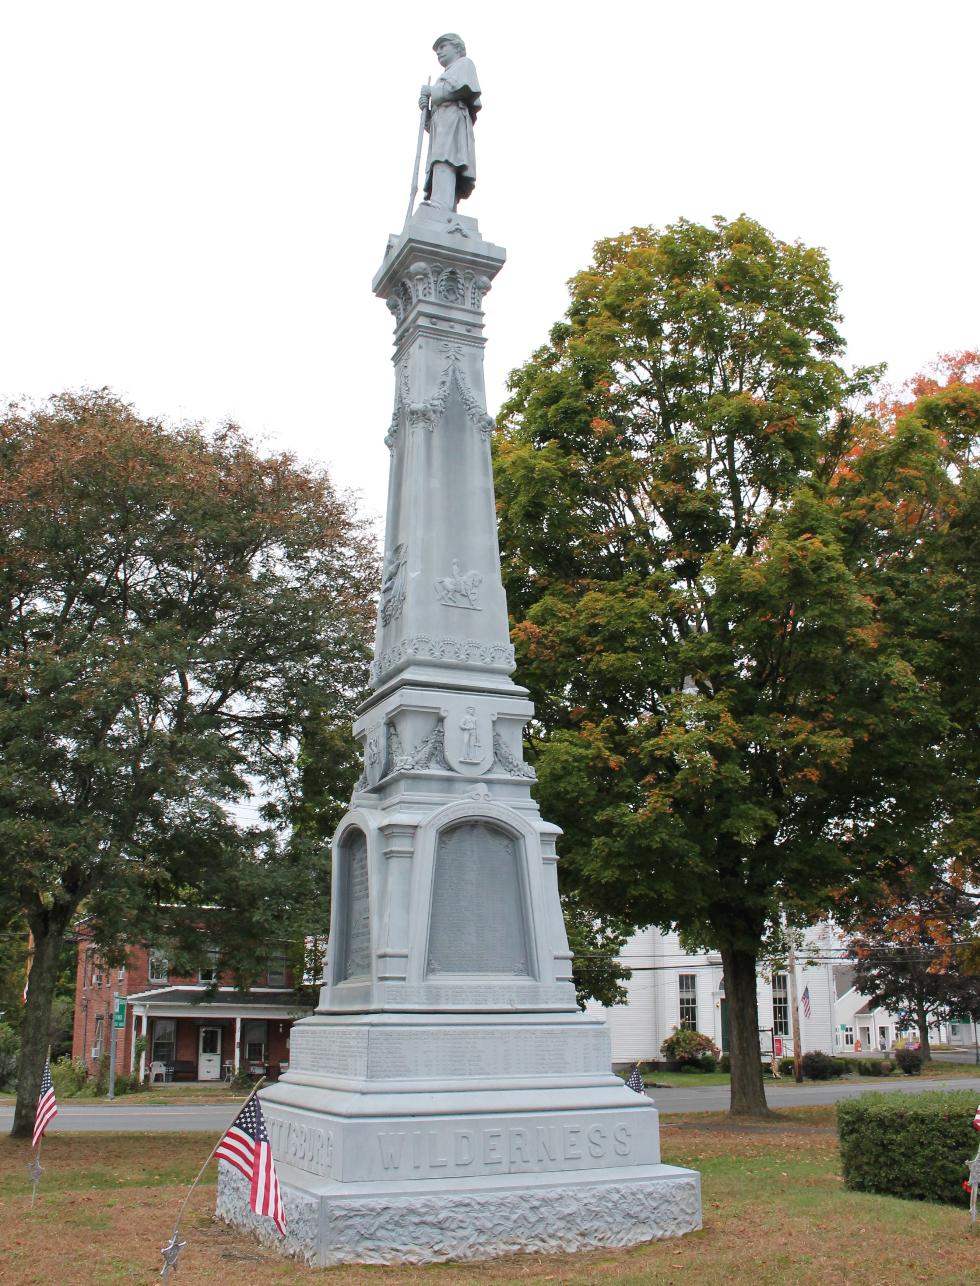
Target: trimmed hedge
(874, 1067)
(908, 1145)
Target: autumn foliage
(744, 597)
(176, 610)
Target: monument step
(425, 1221)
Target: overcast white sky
(197, 193)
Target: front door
(209, 1054)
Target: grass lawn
(938, 1070)
(775, 1211)
(686, 1080)
(192, 1092)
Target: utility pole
(112, 1046)
(794, 1012)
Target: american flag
(635, 1081)
(47, 1108)
(806, 1002)
(246, 1146)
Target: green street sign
(119, 1017)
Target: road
(128, 1114)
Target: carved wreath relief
(427, 412)
(429, 753)
(459, 589)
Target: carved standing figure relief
(460, 589)
(393, 584)
(470, 727)
(452, 103)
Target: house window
(209, 971)
(780, 1004)
(277, 970)
(121, 974)
(96, 973)
(847, 1033)
(159, 967)
(98, 1036)
(688, 985)
(254, 1031)
(164, 1040)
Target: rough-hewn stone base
(429, 1222)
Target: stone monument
(448, 1099)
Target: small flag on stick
(246, 1146)
(47, 1107)
(807, 1009)
(635, 1081)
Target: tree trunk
(49, 935)
(748, 1095)
(922, 1022)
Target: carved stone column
(448, 1083)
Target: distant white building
(670, 988)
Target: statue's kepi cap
(453, 39)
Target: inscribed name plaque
(478, 920)
(357, 934)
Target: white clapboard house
(671, 988)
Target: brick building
(192, 1035)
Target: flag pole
(418, 159)
(174, 1247)
(34, 1171)
(34, 1167)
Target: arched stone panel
(355, 961)
(479, 919)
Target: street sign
(119, 1017)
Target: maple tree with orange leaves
(744, 598)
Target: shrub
(821, 1067)
(124, 1082)
(909, 1060)
(874, 1067)
(908, 1145)
(9, 1049)
(787, 1067)
(725, 1063)
(688, 1048)
(68, 1077)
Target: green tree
(174, 607)
(595, 942)
(705, 566)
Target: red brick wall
(95, 986)
(92, 998)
